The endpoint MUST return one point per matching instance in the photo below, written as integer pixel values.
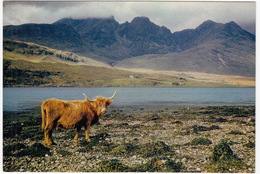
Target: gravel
(173, 127)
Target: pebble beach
(198, 139)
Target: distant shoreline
(136, 108)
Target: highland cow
(72, 114)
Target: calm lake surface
(19, 99)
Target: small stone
(184, 160)
(134, 156)
(137, 162)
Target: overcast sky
(174, 15)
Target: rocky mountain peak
(141, 20)
(106, 39)
(234, 31)
(208, 25)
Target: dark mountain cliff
(58, 36)
(103, 36)
(141, 36)
(97, 32)
(227, 47)
(209, 31)
(106, 37)
(210, 48)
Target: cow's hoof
(75, 141)
(88, 140)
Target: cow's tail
(44, 116)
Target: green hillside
(38, 53)
(25, 73)
(28, 64)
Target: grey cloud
(174, 15)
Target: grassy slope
(205, 58)
(25, 73)
(205, 79)
(24, 66)
(18, 50)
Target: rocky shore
(199, 139)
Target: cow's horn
(85, 96)
(113, 96)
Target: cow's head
(100, 103)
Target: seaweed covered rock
(98, 141)
(152, 165)
(9, 150)
(113, 165)
(222, 151)
(124, 149)
(223, 158)
(11, 130)
(31, 132)
(197, 129)
(145, 150)
(36, 150)
(19, 149)
(155, 149)
(172, 166)
(158, 165)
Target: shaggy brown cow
(72, 114)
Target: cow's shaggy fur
(71, 114)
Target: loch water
(20, 99)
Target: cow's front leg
(87, 128)
(76, 138)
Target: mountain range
(212, 47)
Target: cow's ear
(93, 104)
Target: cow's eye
(108, 102)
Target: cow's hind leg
(47, 139)
(48, 135)
(43, 117)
